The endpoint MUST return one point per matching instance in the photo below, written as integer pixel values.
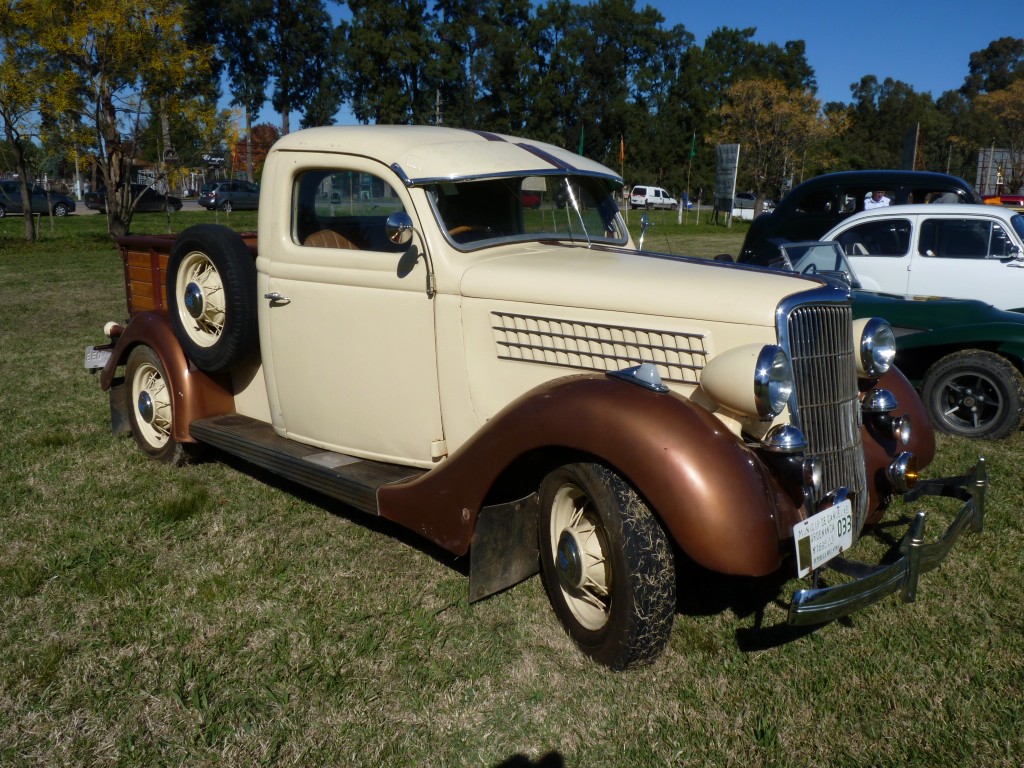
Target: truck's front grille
(819, 340)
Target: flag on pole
(622, 149)
(693, 145)
(581, 139)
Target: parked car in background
(230, 196)
(965, 356)
(147, 200)
(960, 251)
(42, 200)
(644, 196)
(747, 200)
(819, 204)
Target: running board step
(345, 478)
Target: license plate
(95, 358)
(821, 537)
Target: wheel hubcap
(146, 407)
(569, 561)
(194, 300)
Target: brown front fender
(712, 494)
(195, 394)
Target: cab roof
(422, 154)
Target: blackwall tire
(974, 393)
(151, 410)
(211, 296)
(608, 568)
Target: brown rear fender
(195, 394)
(711, 493)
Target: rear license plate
(95, 358)
(821, 537)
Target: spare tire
(211, 296)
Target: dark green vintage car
(965, 356)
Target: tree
(257, 147)
(775, 126)
(241, 31)
(995, 67)
(1006, 109)
(128, 62)
(30, 93)
(388, 50)
(302, 41)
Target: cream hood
(632, 282)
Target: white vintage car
(959, 251)
(453, 330)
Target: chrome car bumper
(871, 583)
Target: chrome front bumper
(871, 583)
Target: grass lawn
(214, 616)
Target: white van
(651, 197)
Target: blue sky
(924, 44)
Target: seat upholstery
(328, 238)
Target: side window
(816, 202)
(1000, 245)
(343, 209)
(877, 238)
(955, 238)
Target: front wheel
(151, 412)
(974, 394)
(608, 568)
(60, 209)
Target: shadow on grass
(704, 593)
(339, 509)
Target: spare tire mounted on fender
(211, 296)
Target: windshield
(819, 259)
(485, 211)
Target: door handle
(276, 298)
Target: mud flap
(119, 423)
(503, 551)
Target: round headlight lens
(877, 347)
(773, 381)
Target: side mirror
(398, 228)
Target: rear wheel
(226, 207)
(608, 568)
(151, 412)
(974, 394)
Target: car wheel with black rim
(974, 393)
(609, 570)
(211, 296)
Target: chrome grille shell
(816, 330)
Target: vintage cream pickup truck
(453, 330)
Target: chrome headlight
(728, 379)
(877, 344)
(773, 381)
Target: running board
(345, 478)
